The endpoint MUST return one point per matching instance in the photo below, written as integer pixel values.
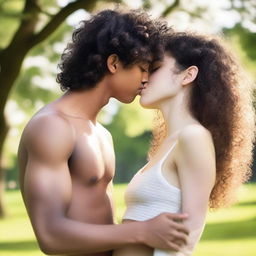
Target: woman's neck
(176, 112)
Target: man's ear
(190, 75)
(112, 63)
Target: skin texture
(190, 166)
(67, 162)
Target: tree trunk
(3, 133)
(7, 79)
(2, 210)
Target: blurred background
(33, 34)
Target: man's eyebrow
(145, 65)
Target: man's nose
(145, 78)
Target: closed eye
(153, 70)
(155, 66)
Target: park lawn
(228, 232)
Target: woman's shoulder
(193, 132)
(196, 154)
(194, 138)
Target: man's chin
(128, 100)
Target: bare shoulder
(195, 134)
(196, 156)
(195, 142)
(47, 134)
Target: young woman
(202, 147)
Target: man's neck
(84, 104)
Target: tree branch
(146, 4)
(170, 8)
(29, 18)
(56, 20)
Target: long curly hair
(221, 100)
(132, 35)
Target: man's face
(129, 81)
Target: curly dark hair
(221, 100)
(132, 35)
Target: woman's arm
(195, 161)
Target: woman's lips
(141, 89)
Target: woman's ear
(190, 75)
(112, 63)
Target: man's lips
(141, 89)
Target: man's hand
(166, 231)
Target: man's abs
(91, 205)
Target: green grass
(229, 232)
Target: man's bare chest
(92, 159)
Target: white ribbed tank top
(148, 194)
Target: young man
(66, 157)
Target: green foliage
(247, 40)
(9, 19)
(26, 94)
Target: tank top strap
(168, 152)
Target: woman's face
(164, 83)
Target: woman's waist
(134, 250)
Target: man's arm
(196, 167)
(47, 189)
